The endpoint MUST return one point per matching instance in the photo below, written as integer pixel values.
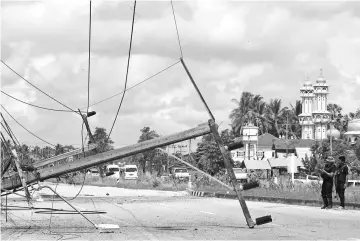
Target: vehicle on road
(94, 172)
(308, 179)
(113, 171)
(130, 172)
(353, 183)
(180, 173)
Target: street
(175, 217)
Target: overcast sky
(229, 47)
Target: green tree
(208, 155)
(250, 108)
(294, 112)
(146, 158)
(275, 114)
(59, 149)
(103, 142)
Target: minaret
(320, 114)
(305, 118)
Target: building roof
(257, 164)
(282, 144)
(266, 140)
(284, 162)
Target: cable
(40, 107)
(37, 87)
(163, 70)
(25, 128)
(87, 111)
(127, 70)
(9, 131)
(177, 31)
(101, 101)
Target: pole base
(263, 220)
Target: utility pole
(287, 137)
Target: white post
(292, 168)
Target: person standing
(327, 175)
(341, 180)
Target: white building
(314, 116)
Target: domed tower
(320, 114)
(305, 118)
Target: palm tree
(275, 115)
(294, 112)
(250, 109)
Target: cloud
(229, 47)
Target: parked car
(113, 171)
(353, 183)
(130, 172)
(94, 172)
(309, 179)
(180, 173)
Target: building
(314, 117)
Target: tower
(305, 118)
(320, 114)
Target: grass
(144, 181)
(283, 190)
(201, 183)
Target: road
(175, 217)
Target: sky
(229, 47)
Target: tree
(250, 108)
(294, 112)
(148, 156)
(275, 115)
(208, 156)
(103, 142)
(59, 149)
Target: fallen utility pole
(244, 187)
(50, 172)
(21, 176)
(62, 156)
(231, 174)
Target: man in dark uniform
(341, 179)
(327, 187)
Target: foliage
(101, 138)
(151, 160)
(208, 156)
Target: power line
(177, 31)
(163, 70)
(101, 101)
(25, 127)
(37, 87)
(40, 107)
(9, 131)
(87, 111)
(127, 70)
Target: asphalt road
(178, 217)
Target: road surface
(175, 217)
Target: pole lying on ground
(78, 211)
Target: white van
(131, 172)
(115, 169)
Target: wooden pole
(22, 178)
(197, 89)
(104, 157)
(231, 173)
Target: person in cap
(327, 175)
(341, 179)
